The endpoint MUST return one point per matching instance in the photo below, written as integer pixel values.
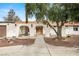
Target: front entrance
(24, 31)
(39, 30)
(2, 30)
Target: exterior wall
(5, 25)
(19, 25)
(11, 30)
(50, 32)
(34, 29)
(64, 31)
(47, 31)
(14, 30)
(70, 31)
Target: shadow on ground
(68, 42)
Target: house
(18, 29)
(72, 28)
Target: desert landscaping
(40, 47)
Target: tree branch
(62, 23)
(48, 23)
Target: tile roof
(66, 24)
(25, 22)
(72, 24)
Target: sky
(19, 9)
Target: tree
(72, 11)
(54, 13)
(35, 9)
(29, 9)
(11, 17)
(42, 11)
(57, 14)
(60, 14)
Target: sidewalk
(37, 49)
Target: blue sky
(19, 9)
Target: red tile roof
(72, 24)
(66, 24)
(25, 22)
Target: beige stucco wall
(14, 30)
(10, 29)
(70, 31)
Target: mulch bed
(68, 42)
(16, 42)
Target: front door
(39, 30)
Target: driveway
(39, 48)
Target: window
(75, 28)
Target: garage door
(2, 30)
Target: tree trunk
(26, 18)
(59, 33)
(26, 14)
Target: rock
(10, 42)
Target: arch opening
(24, 31)
(39, 30)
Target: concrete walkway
(39, 48)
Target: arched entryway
(24, 31)
(39, 30)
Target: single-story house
(18, 29)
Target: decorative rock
(10, 42)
